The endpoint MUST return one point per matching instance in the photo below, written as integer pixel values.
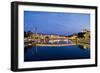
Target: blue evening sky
(56, 22)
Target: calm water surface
(44, 53)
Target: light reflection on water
(43, 53)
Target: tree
(81, 35)
(47, 39)
(27, 34)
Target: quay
(55, 44)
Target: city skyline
(50, 22)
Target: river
(44, 53)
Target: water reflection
(83, 47)
(42, 53)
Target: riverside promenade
(55, 44)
